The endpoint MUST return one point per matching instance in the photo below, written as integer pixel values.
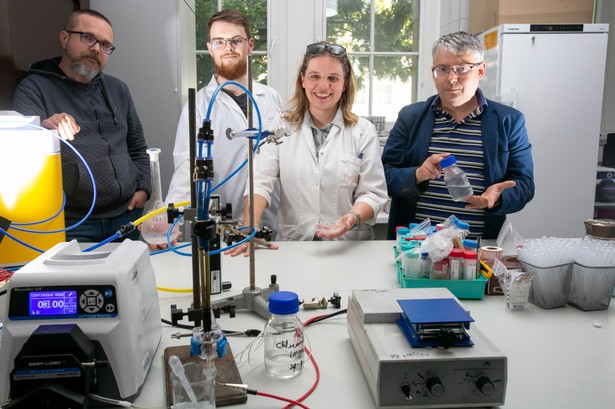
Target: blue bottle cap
(283, 302)
(473, 244)
(462, 225)
(448, 161)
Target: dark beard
(231, 72)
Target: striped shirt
(464, 140)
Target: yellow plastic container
(30, 191)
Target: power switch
(405, 388)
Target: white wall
(292, 25)
(454, 16)
(606, 14)
(156, 58)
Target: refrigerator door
(556, 80)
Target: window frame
(286, 43)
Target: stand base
(227, 373)
(255, 300)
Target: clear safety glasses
(218, 42)
(442, 71)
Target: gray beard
(85, 71)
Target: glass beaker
(154, 229)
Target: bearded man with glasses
(488, 139)
(229, 44)
(73, 96)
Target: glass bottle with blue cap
(284, 347)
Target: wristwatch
(357, 218)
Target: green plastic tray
(462, 289)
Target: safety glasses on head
(319, 48)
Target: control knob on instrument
(434, 386)
(484, 385)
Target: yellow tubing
(158, 211)
(174, 290)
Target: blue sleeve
(405, 151)
(519, 166)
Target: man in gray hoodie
(96, 112)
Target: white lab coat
(227, 154)
(322, 189)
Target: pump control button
(91, 301)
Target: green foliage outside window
(395, 31)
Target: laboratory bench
(558, 358)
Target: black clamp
(205, 132)
(203, 168)
(264, 233)
(177, 314)
(204, 229)
(336, 300)
(126, 229)
(229, 308)
(172, 212)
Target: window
(256, 11)
(381, 37)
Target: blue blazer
(507, 155)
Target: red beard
(232, 71)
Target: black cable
(246, 333)
(324, 317)
(182, 326)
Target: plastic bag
(509, 239)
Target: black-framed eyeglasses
(319, 48)
(442, 71)
(220, 42)
(89, 40)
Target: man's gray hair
(459, 43)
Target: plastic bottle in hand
(456, 179)
(154, 230)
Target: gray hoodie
(110, 140)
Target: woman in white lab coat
(332, 183)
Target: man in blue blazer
(488, 139)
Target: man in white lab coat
(229, 44)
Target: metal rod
(251, 179)
(196, 300)
(204, 262)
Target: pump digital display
(62, 302)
